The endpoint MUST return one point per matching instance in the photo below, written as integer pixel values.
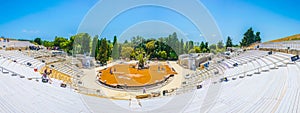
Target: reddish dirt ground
(126, 74)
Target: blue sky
(49, 18)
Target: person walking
(144, 90)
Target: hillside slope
(289, 38)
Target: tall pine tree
(103, 51)
(94, 46)
(115, 50)
(257, 37)
(250, 37)
(229, 42)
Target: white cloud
(30, 31)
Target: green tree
(250, 37)
(64, 45)
(257, 37)
(186, 47)
(140, 56)
(190, 45)
(82, 43)
(115, 40)
(192, 51)
(115, 50)
(243, 42)
(133, 55)
(103, 51)
(197, 49)
(229, 42)
(150, 46)
(109, 49)
(162, 55)
(120, 49)
(48, 43)
(171, 45)
(220, 45)
(58, 40)
(173, 55)
(97, 49)
(137, 40)
(202, 46)
(38, 41)
(181, 47)
(86, 38)
(206, 49)
(94, 50)
(213, 47)
(126, 52)
(71, 45)
(126, 41)
(175, 43)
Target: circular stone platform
(127, 75)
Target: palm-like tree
(140, 56)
